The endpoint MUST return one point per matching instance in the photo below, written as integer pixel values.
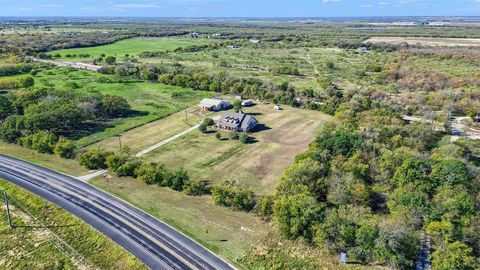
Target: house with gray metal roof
(237, 122)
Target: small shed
(277, 107)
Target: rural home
(214, 104)
(247, 103)
(237, 122)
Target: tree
(456, 256)
(203, 128)
(110, 60)
(28, 82)
(11, 128)
(297, 213)
(218, 135)
(65, 148)
(151, 173)
(94, 158)
(450, 172)
(114, 106)
(237, 105)
(6, 108)
(413, 170)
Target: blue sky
(240, 8)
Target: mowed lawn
(150, 101)
(257, 166)
(135, 46)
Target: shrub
(234, 135)
(208, 122)
(151, 173)
(43, 142)
(176, 180)
(197, 188)
(230, 195)
(203, 128)
(243, 138)
(65, 148)
(129, 168)
(218, 135)
(94, 158)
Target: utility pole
(186, 118)
(120, 142)
(8, 210)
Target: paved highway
(158, 245)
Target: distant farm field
(134, 46)
(425, 41)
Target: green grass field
(151, 101)
(47, 237)
(134, 46)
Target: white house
(214, 104)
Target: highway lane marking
(106, 210)
(158, 226)
(151, 228)
(94, 215)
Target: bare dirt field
(425, 41)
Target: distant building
(254, 41)
(214, 104)
(276, 107)
(237, 122)
(232, 47)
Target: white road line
(153, 147)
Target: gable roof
(210, 102)
(231, 119)
(236, 120)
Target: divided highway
(155, 243)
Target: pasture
(150, 101)
(133, 47)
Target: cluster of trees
(369, 185)
(38, 114)
(229, 194)
(219, 82)
(47, 142)
(124, 164)
(20, 68)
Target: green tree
(114, 106)
(6, 108)
(456, 256)
(297, 213)
(450, 172)
(237, 105)
(65, 148)
(110, 60)
(94, 158)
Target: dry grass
(228, 233)
(425, 41)
(257, 165)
